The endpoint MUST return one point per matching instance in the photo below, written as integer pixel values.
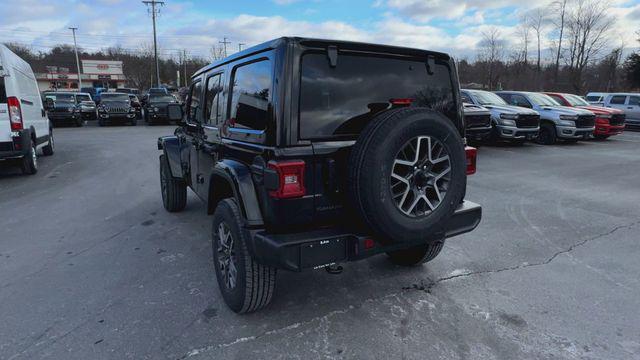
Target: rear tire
(417, 255)
(30, 161)
(174, 191)
(48, 149)
(79, 122)
(547, 135)
(246, 286)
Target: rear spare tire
(407, 174)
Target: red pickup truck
(608, 121)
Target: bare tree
(217, 52)
(523, 31)
(491, 53)
(537, 18)
(588, 27)
(560, 8)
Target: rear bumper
(319, 248)
(18, 147)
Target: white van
(24, 127)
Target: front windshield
(575, 100)
(114, 97)
(83, 98)
(60, 97)
(542, 100)
(488, 98)
(165, 98)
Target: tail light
(401, 102)
(290, 179)
(15, 113)
(471, 154)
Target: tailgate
(330, 179)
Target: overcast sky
(197, 25)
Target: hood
(599, 110)
(511, 109)
(566, 110)
(115, 104)
(63, 104)
(471, 109)
(161, 104)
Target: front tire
(174, 191)
(246, 286)
(30, 161)
(601, 137)
(547, 135)
(417, 255)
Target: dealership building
(95, 73)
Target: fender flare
(170, 145)
(239, 181)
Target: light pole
(240, 45)
(75, 47)
(154, 12)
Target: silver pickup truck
(508, 122)
(556, 121)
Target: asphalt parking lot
(92, 267)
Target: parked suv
(24, 127)
(477, 120)
(608, 121)
(116, 108)
(155, 110)
(556, 121)
(627, 102)
(310, 153)
(513, 123)
(69, 107)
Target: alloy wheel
(227, 256)
(420, 176)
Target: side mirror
(48, 104)
(175, 112)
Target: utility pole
(224, 42)
(184, 63)
(240, 45)
(75, 47)
(155, 10)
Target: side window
(618, 99)
(634, 100)
(505, 97)
(519, 100)
(251, 95)
(466, 98)
(214, 100)
(194, 102)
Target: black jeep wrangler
(310, 153)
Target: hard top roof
(312, 42)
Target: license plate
(322, 253)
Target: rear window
(3, 91)
(339, 101)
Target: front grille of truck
(475, 121)
(586, 121)
(528, 121)
(617, 119)
(117, 110)
(6, 146)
